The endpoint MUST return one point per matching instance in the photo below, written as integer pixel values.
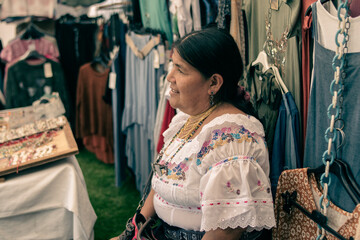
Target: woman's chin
(172, 102)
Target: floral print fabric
(297, 226)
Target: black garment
(224, 15)
(27, 83)
(113, 31)
(84, 3)
(119, 64)
(135, 20)
(116, 37)
(77, 43)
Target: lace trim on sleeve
(253, 216)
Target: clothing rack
(316, 216)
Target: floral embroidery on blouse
(224, 136)
(230, 188)
(174, 184)
(177, 171)
(262, 186)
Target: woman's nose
(170, 76)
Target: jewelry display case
(34, 135)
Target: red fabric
(168, 115)
(305, 61)
(355, 8)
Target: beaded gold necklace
(186, 132)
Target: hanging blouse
(296, 225)
(155, 15)
(24, 8)
(17, 47)
(28, 82)
(188, 16)
(286, 17)
(94, 116)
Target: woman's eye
(179, 70)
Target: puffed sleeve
(235, 187)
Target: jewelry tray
(35, 144)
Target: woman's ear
(216, 81)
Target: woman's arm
(148, 210)
(228, 234)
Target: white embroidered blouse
(219, 179)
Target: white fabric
(328, 26)
(335, 218)
(188, 16)
(219, 179)
(25, 8)
(46, 202)
(62, 9)
(164, 86)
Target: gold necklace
(186, 131)
(194, 121)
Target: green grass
(113, 205)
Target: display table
(46, 202)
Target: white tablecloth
(46, 202)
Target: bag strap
(146, 191)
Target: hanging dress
(320, 98)
(138, 120)
(295, 225)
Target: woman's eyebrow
(178, 65)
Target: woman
(211, 177)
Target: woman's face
(190, 90)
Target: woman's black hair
(211, 51)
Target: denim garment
(318, 122)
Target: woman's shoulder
(231, 117)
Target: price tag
(274, 4)
(161, 49)
(156, 59)
(112, 80)
(47, 70)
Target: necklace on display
(186, 132)
(275, 49)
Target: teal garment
(288, 15)
(265, 96)
(155, 15)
